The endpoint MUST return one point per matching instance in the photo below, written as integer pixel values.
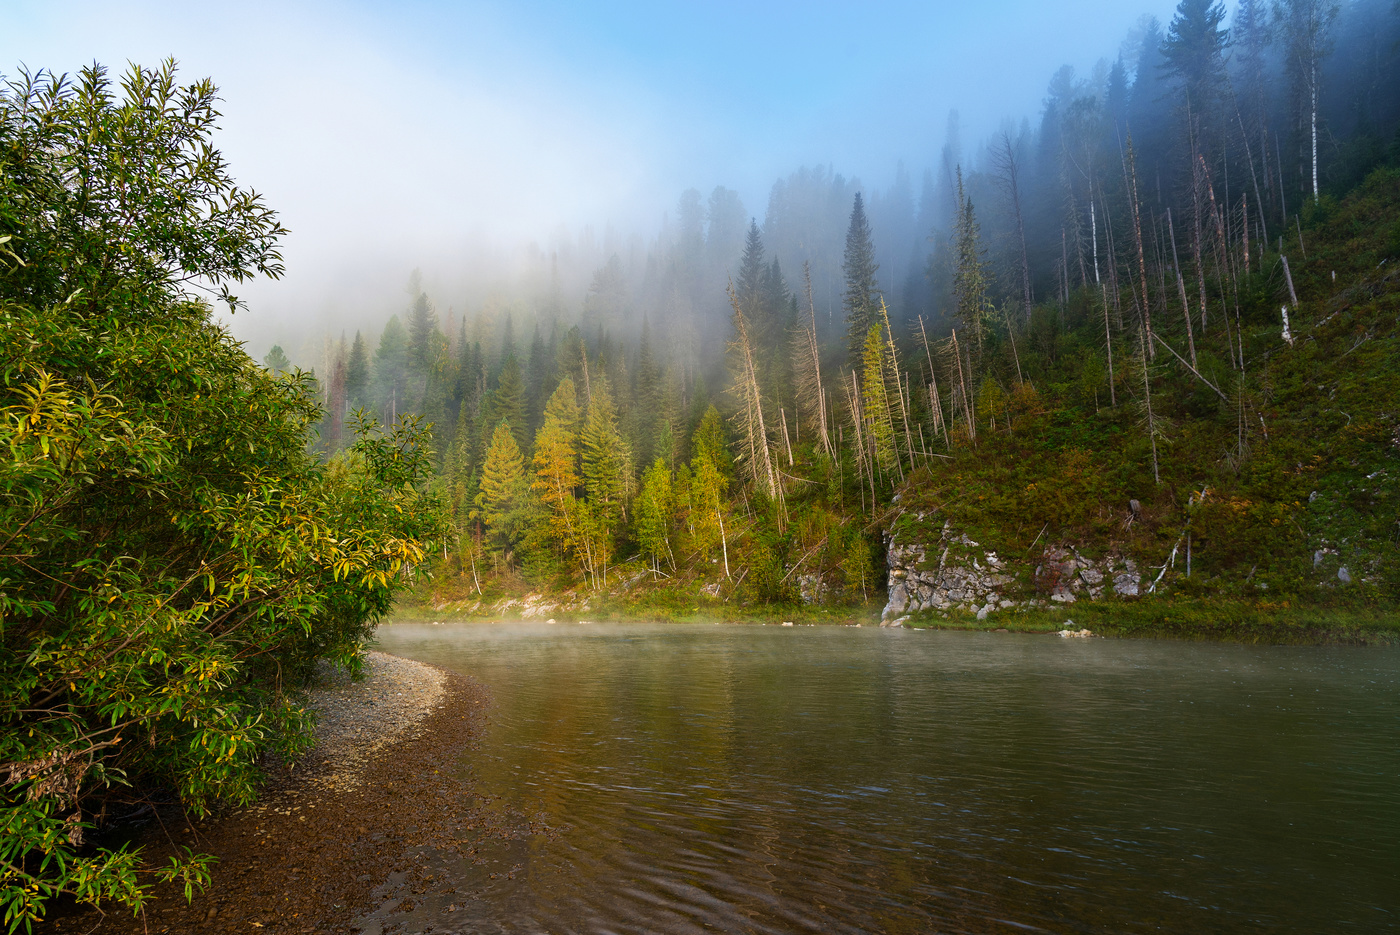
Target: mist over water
(770, 779)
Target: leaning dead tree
(753, 429)
(807, 368)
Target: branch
(1191, 368)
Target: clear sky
(399, 132)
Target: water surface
(829, 779)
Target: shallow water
(829, 779)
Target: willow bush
(173, 558)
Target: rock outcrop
(956, 573)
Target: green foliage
(653, 511)
(503, 488)
(174, 561)
(859, 301)
(276, 361)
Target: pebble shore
(388, 780)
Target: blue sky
(408, 130)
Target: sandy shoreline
(384, 784)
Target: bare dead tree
(1007, 172)
(807, 367)
(1181, 287)
(751, 421)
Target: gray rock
(1343, 575)
(1125, 584)
(982, 613)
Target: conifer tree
(508, 401)
(357, 373)
(390, 369)
(710, 441)
(707, 507)
(563, 406)
(653, 512)
(555, 466)
(276, 360)
(859, 300)
(879, 425)
(607, 468)
(422, 325)
(1194, 51)
(752, 270)
(970, 274)
(503, 489)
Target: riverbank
(343, 830)
(1170, 617)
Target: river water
(834, 779)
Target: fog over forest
(481, 143)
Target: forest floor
(345, 832)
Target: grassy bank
(1168, 617)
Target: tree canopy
(175, 560)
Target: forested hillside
(1154, 324)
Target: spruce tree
(654, 512)
(357, 373)
(390, 369)
(859, 301)
(1194, 50)
(752, 271)
(607, 469)
(508, 401)
(276, 360)
(710, 441)
(503, 489)
(879, 425)
(422, 325)
(970, 284)
(555, 470)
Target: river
(836, 779)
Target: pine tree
(859, 300)
(607, 468)
(654, 513)
(555, 466)
(875, 404)
(422, 325)
(276, 360)
(1194, 50)
(390, 369)
(357, 373)
(710, 441)
(707, 507)
(508, 401)
(647, 414)
(970, 275)
(752, 271)
(503, 489)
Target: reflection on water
(767, 779)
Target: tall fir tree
(357, 373)
(752, 271)
(859, 302)
(391, 369)
(422, 326)
(508, 401)
(503, 489)
(607, 467)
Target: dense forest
(1100, 308)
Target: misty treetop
(1106, 278)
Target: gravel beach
(344, 832)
